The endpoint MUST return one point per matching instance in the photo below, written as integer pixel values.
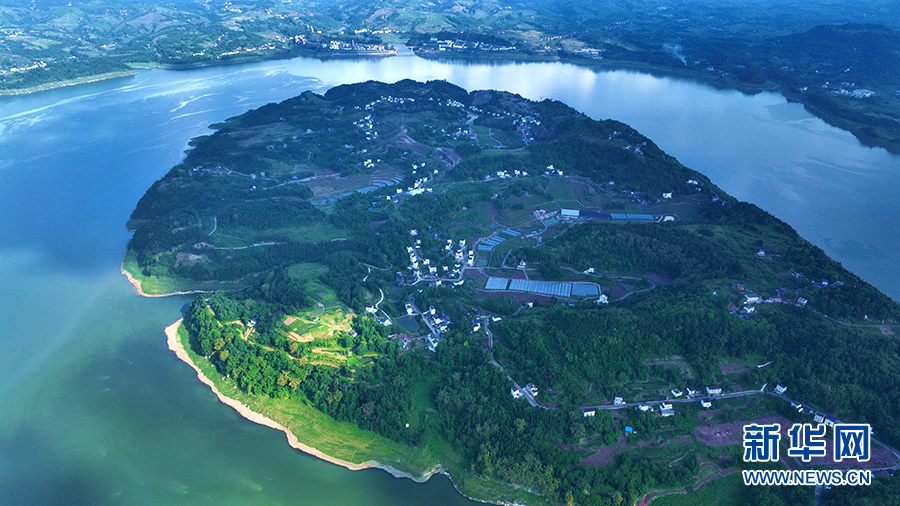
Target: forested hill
(286, 164)
(382, 253)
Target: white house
(780, 389)
(588, 411)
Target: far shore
(71, 82)
(176, 346)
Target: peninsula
(547, 308)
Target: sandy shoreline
(137, 286)
(181, 353)
(175, 345)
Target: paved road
(490, 337)
(678, 399)
(855, 324)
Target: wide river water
(95, 410)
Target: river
(96, 410)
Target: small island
(546, 308)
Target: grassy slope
(157, 287)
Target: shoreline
(71, 82)
(175, 345)
(137, 286)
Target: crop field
(322, 321)
(242, 237)
(645, 390)
(499, 253)
(262, 134)
(484, 137)
(727, 491)
(334, 186)
(517, 218)
(309, 328)
(572, 193)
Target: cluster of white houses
(666, 408)
(464, 45)
(424, 268)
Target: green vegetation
(341, 440)
(818, 53)
(275, 202)
(61, 44)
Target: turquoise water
(96, 410)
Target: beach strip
(137, 286)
